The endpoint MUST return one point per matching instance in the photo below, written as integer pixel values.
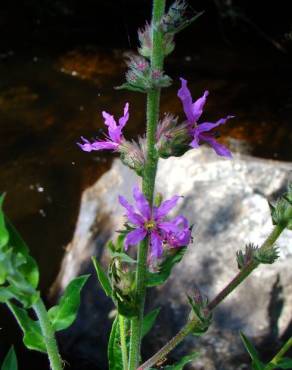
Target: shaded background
(58, 64)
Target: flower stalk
(49, 335)
(193, 323)
(152, 115)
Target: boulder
(227, 201)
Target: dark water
(48, 101)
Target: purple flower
(200, 132)
(114, 138)
(154, 223)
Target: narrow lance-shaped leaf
(148, 321)
(158, 278)
(32, 334)
(29, 269)
(10, 361)
(256, 362)
(115, 358)
(102, 277)
(64, 314)
(4, 235)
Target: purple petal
(198, 105)
(115, 134)
(165, 207)
(86, 145)
(181, 220)
(109, 120)
(219, 148)
(124, 119)
(133, 217)
(134, 237)
(142, 203)
(104, 145)
(195, 141)
(168, 226)
(186, 99)
(207, 126)
(156, 245)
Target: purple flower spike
(193, 111)
(115, 135)
(153, 223)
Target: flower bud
(172, 139)
(144, 35)
(281, 212)
(200, 311)
(177, 18)
(243, 258)
(133, 155)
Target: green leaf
(149, 321)
(102, 277)
(10, 361)
(158, 278)
(64, 314)
(29, 269)
(114, 352)
(32, 334)
(131, 87)
(4, 235)
(285, 363)
(5, 294)
(182, 362)
(256, 362)
(124, 257)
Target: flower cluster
(172, 138)
(154, 224)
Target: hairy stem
(192, 324)
(123, 342)
(152, 115)
(49, 335)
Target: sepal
(281, 212)
(172, 139)
(200, 312)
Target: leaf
(32, 334)
(10, 361)
(149, 321)
(158, 278)
(102, 277)
(256, 362)
(29, 269)
(124, 257)
(182, 362)
(285, 363)
(4, 235)
(64, 314)
(114, 352)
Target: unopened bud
(282, 211)
(133, 155)
(172, 139)
(243, 258)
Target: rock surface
(227, 203)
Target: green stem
(152, 115)
(123, 342)
(49, 335)
(278, 357)
(192, 324)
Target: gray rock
(227, 203)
